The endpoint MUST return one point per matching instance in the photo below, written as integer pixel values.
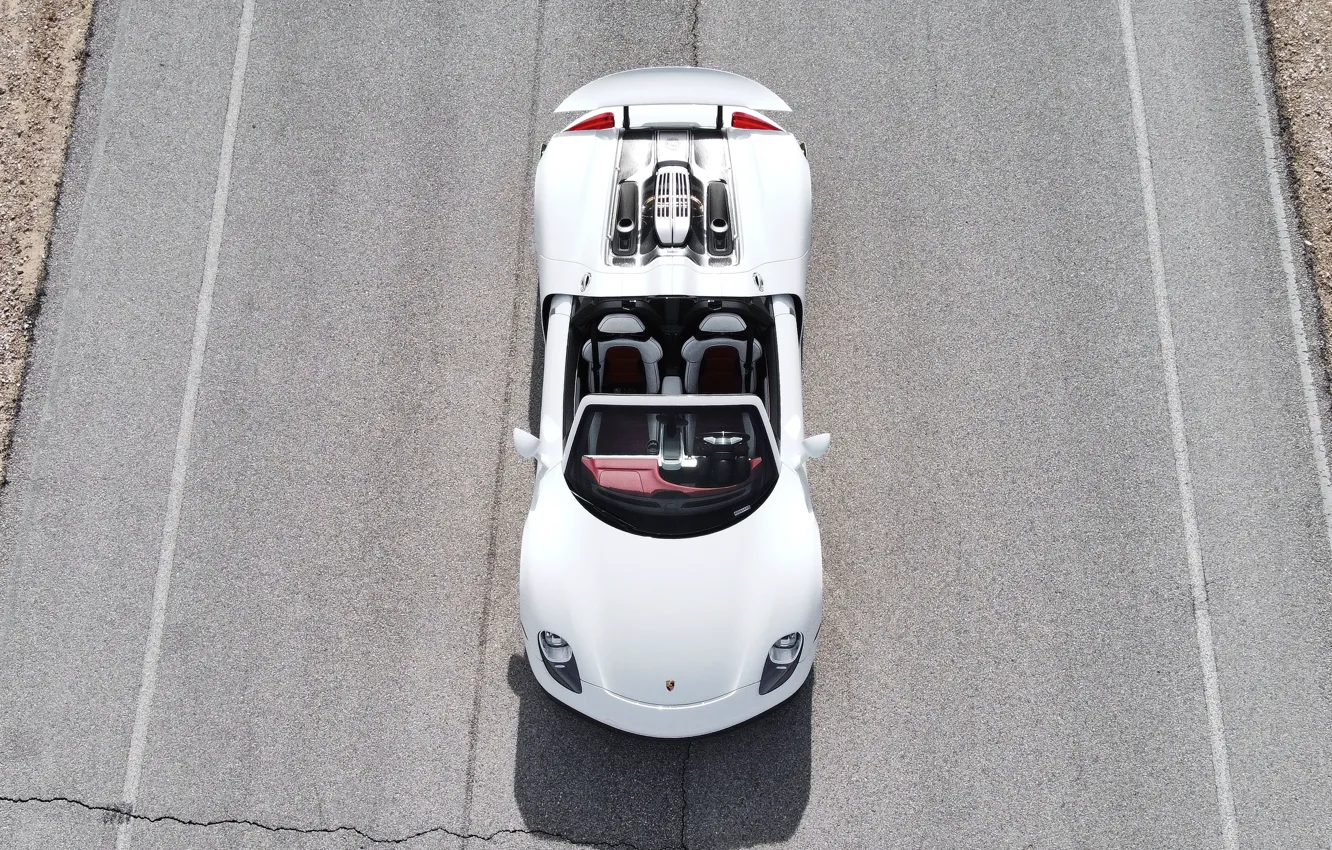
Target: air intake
(671, 208)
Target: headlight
(555, 648)
(781, 661)
(559, 660)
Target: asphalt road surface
(259, 545)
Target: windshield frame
(753, 405)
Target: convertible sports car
(671, 578)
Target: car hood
(700, 612)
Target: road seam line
(171, 524)
(1293, 300)
(497, 495)
(1225, 800)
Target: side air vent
(671, 208)
(720, 237)
(624, 243)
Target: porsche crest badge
(670, 684)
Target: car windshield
(671, 471)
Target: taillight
(600, 121)
(745, 121)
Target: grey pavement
(1010, 656)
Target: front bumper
(671, 721)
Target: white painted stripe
(1183, 470)
(1263, 102)
(171, 525)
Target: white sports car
(671, 580)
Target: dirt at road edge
(1300, 31)
(41, 58)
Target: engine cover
(671, 212)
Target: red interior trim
(640, 475)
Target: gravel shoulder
(41, 56)
(1300, 31)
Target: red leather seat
(719, 371)
(714, 357)
(624, 371)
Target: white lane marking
(1225, 800)
(1293, 301)
(170, 526)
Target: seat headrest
(722, 323)
(648, 349)
(621, 323)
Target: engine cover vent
(671, 208)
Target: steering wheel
(735, 441)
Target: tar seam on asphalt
(119, 815)
(1263, 107)
(507, 415)
(194, 378)
(684, 794)
(1183, 471)
(693, 32)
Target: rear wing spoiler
(673, 86)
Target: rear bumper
(671, 721)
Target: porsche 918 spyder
(671, 574)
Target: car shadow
(586, 782)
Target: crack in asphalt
(117, 814)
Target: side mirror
(817, 445)
(527, 445)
